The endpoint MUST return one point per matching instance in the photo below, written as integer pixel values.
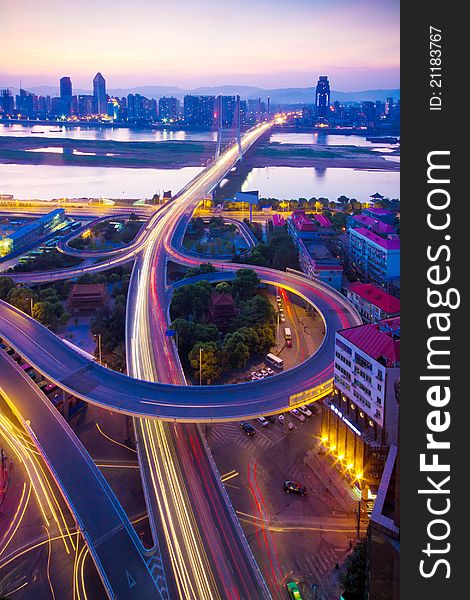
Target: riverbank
(179, 154)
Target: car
(264, 372)
(269, 371)
(292, 487)
(255, 376)
(305, 411)
(281, 419)
(289, 343)
(278, 299)
(271, 418)
(293, 591)
(297, 414)
(313, 408)
(283, 318)
(262, 421)
(247, 428)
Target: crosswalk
(224, 434)
(313, 568)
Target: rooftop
(378, 340)
(381, 212)
(386, 243)
(302, 222)
(377, 297)
(88, 289)
(323, 221)
(374, 224)
(278, 220)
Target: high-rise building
(66, 104)
(26, 103)
(65, 87)
(199, 110)
(7, 102)
(360, 420)
(168, 108)
(99, 94)
(85, 105)
(227, 108)
(322, 97)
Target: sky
(191, 43)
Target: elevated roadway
(100, 518)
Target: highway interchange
(202, 545)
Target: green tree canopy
(6, 284)
(235, 351)
(223, 287)
(20, 297)
(211, 363)
(245, 284)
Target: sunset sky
(190, 43)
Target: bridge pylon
(236, 124)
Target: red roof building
(372, 302)
(222, 309)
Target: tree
(353, 579)
(50, 314)
(223, 287)
(211, 364)
(191, 299)
(20, 297)
(185, 335)
(6, 284)
(204, 333)
(343, 199)
(235, 351)
(245, 284)
(198, 225)
(338, 220)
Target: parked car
(278, 299)
(271, 418)
(281, 419)
(292, 487)
(289, 343)
(297, 414)
(283, 318)
(247, 428)
(262, 421)
(255, 376)
(305, 411)
(293, 591)
(264, 372)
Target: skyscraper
(65, 87)
(199, 110)
(168, 108)
(322, 97)
(66, 96)
(99, 94)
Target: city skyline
(356, 43)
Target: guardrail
(312, 394)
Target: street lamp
(200, 366)
(98, 335)
(32, 305)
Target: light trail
(114, 441)
(17, 518)
(48, 569)
(159, 441)
(47, 500)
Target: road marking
(130, 580)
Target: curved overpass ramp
(109, 389)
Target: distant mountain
(278, 96)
